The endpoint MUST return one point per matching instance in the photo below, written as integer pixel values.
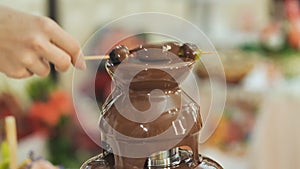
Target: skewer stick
(103, 57)
(11, 136)
(207, 52)
(99, 57)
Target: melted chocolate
(186, 51)
(179, 105)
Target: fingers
(16, 71)
(42, 52)
(30, 65)
(68, 44)
(32, 46)
(58, 57)
(18, 74)
(40, 68)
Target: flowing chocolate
(166, 47)
(180, 116)
(186, 52)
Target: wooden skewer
(99, 57)
(11, 137)
(103, 57)
(207, 52)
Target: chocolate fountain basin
(172, 159)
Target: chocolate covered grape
(189, 50)
(186, 51)
(118, 54)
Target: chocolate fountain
(148, 121)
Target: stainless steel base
(155, 161)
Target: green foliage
(251, 47)
(4, 164)
(61, 145)
(39, 89)
(284, 51)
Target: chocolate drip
(138, 94)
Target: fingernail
(81, 62)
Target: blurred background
(257, 40)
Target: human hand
(28, 43)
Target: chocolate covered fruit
(185, 51)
